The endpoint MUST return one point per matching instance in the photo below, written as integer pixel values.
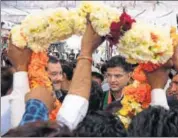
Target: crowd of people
(89, 96)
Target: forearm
(75, 104)
(81, 81)
(17, 102)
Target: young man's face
(117, 78)
(55, 74)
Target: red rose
(126, 21)
(115, 26)
(117, 29)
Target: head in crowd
(173, 88)
(100, 124)
(56, 54)
(118, 73)
(2, 23)
(54, 70)
(6, 80)
(39, 129)
(72, 55)
(72, 51)
(154, 122)
(67, 69)
(5, 59)
(97, 77)
(96, 99)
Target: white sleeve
(17, 101)
(20, 83)
(5, 115)
(158, 98)
(73, 110)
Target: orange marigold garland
(53, 114)
(137, 96)
(149, 66)
(36, 70)
(39, 77)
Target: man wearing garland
(118, 76)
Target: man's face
(175, 58)
(174, 85)
(55, 74)
(117, 78)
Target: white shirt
(13, 105)
(158, 98)
(73, 110)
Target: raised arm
(75, 104)
(20, 59)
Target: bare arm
(81, 81)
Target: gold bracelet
(85, 57)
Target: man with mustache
(55, 74)
(118, 76)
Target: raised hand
(91, 40)
(20, 58)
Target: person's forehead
(116, 70)
(175, 78)
(54, 66)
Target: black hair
(154, 122)
(96, 97)
(53, 59)
(67, 68)
(39, 129)
(170, 124)
(5, 58)
(118, 61)
(113, 107)
(100, 124)
(74, 63)
(2, 23)
(173, 103)
(98, 75)
(6, 80)
(103, 68)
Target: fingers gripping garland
(150, 46)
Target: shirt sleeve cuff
(20, 78)
(73, 110)
(158, 98)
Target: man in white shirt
(13, 105)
